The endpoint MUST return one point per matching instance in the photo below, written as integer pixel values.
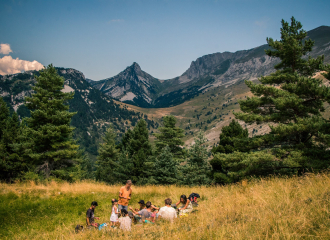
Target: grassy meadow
(274, 208)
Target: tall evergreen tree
(125, 167)
(291, 100)
(4, 114)
(12, 163)
(139, 150)
(51, 147)
(228, 136)
(123, 145)
(197, 169)
(171, 136)
(165, 167)
(107, 158)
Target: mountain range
(134, 86)
(95, 110)
(203, 97)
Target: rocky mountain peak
(136, 67)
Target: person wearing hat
(114, 213)
(143, 214)
(90, 215)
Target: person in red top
(125, 193)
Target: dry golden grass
(277, 208)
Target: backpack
(193, 197)
(79, 228)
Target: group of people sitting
(146, 213)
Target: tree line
(291, 101)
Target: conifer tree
(88, 168)
(50, 146)
(170, 136)
(139, 149)
(165, 167)
(107, 158)
(123, 145)
(228, 136)
(291, 100)
(197, 170)
(125, 167)
(12, 163)
(4, 114)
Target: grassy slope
(212, 102)
(205, 107)
(287, 208)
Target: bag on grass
(193, 198)
(79, 228)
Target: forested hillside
(95, 110)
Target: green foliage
(107, 158)
(292, 101)
(228, 136)
(11, 160)
(4, 114)
(88, 168)
(125, 167)
(197, 170)
(139, 149)
(125, 140)
(170, 136)
(50, 146)
(237, 166)
(165, 167)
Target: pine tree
(88, 168)
(125, 168)
(107, 158)
(197, 169)
(4, 114)
(292, 102)
(12, 163)
(228, 136)
(165, 168)
(139, 150)
(170, 136)
(51, 147)
(123, 145)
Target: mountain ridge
(208, 71)
(132, 85)
(95, 110)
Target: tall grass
(275, 208)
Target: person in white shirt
(168, 213)
(125, 221)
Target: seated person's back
(167, 212)
(125, 221)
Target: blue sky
(101, 38)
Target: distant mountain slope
(209, 71)
(251, 63)
(131, 86)
(95, 110)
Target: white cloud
(8, 65)
(5, 48)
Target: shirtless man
(125, 193)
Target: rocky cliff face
(247, 64)
(209, 71)
(131, 86)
